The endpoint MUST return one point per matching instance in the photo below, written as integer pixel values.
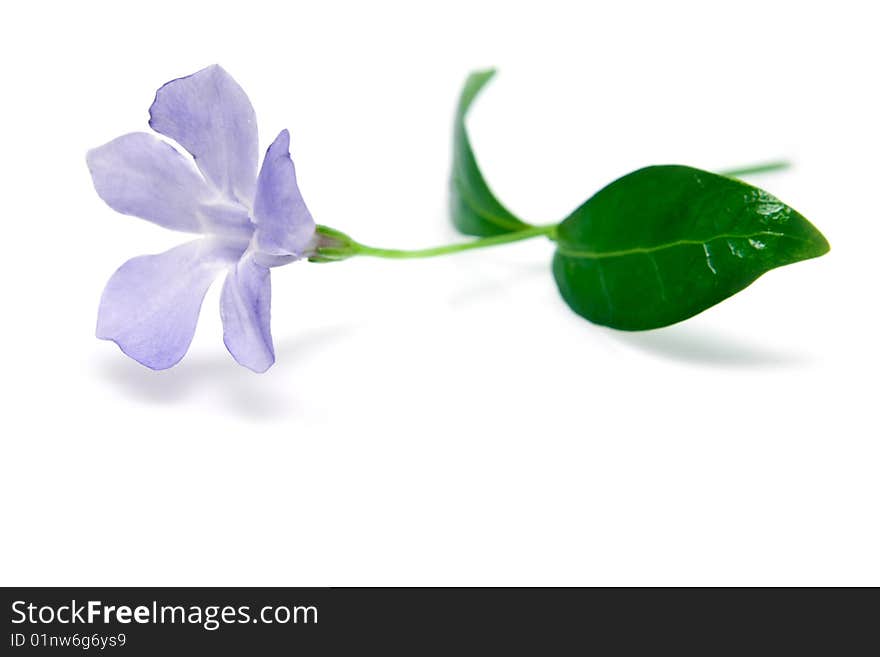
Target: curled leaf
(473, 206)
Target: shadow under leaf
(700, 346)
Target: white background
(447, 421)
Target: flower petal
(284, 223)
(209, 114)
(141, 175)
(244, 309)
(151, 304)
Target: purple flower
(248, 222)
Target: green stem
(525, 234)
(339, 246)
(756, 168)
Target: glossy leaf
(473, 206)
(664, 243)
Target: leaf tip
(484, 74)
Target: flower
(248, 222)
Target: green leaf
(664, 243)
(473, 206)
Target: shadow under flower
(700, 346)
(235, 390)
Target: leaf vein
(595, 255)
